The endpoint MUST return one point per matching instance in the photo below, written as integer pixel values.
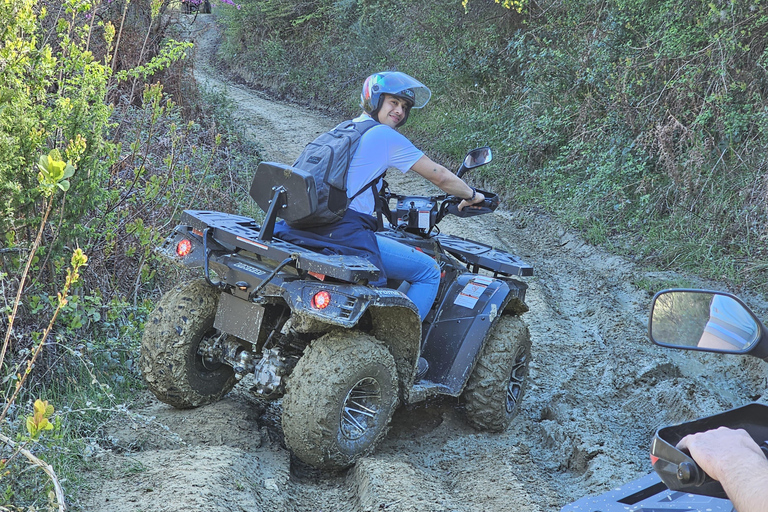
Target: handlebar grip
(488, 205)
(689, 473)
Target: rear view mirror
(478, 157)
(702, 320)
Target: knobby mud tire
(496, 387)
(173, 370)
(334, 369)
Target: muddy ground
(598, 388)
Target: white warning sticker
(424, 219)
(471, 293)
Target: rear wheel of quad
(339, 400)
(496, 387)
(171, 366)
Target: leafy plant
(624, 118)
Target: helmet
(397, 84)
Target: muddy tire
(339, 400)
(496, 387)
(173, 370)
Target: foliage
(53, 98)
(641, 124)
(171, 52)
(111, 182)
(517, 5)
(38, 422)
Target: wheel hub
(516, 380)
(360, 409)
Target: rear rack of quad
(236, 233)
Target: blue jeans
(405, 263)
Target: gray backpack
(327, 159)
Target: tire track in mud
(598, 389)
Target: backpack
(327, 159)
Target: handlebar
(679, 471)
(421, 214)
(488, 205)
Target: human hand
(477, 201)
(718, 451)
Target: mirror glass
(478, 157)
(702, 321)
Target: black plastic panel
(243, 232)
(456, 336)
(484, 256)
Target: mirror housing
(475, 158)
(707, 321)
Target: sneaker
(421, 368)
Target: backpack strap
(362, 127)
(382, 209)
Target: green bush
(81, 176)
(53, 98)
(641, 123)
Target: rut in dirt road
(598, 389)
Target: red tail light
(321, 300)
(184, 247)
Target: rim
(516, 381)
(360, 408)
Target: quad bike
(309, 329)
(196, 6)
(682, 319)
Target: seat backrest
(299, 185)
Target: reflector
(184, 247)
(321, 300)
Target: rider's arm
(446, 181)
(733, 458)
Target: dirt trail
(598, 389)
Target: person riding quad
(729, 326)
(387, 98)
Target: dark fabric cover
(353, 235)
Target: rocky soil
(598, 388)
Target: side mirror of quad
(707, 321)
(475, 158)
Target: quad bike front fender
(466, 317)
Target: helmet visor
(405, 86)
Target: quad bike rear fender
(387, 314)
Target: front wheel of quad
(339, 400)
(172, 368)
(496, 387)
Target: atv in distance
(310, 330)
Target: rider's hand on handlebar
(718, 450)
(478, 200)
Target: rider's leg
(405, 263)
